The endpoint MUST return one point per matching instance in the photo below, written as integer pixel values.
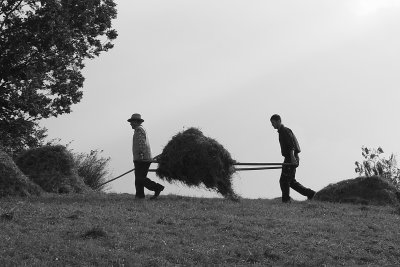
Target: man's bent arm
(293, 159)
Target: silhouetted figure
(142, 159)
(290, 150)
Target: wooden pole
(106, 182)
(257, 168)
(262, 164)
(276, 166)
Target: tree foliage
(43, 45)
(374, 164)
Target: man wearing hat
(142, 159)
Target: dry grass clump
(194, 159)
(362, 190)
(12, 181)
(52, 168)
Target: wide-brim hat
(136, 117)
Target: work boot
(157, 192)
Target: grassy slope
(118, 230)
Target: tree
(374, 164)
(43, 45)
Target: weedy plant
(194, 159)
(92, 168)
(374, 164)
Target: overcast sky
(331, 69)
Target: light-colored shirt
(140, 145)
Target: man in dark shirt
(290, 150)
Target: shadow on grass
(95, 233)
(7, 216)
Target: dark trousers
(141, 180)
(288, 180)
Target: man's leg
(151, 185)
(309, 193)
(300, 188)
(284, 181)
(144, 182)
(141, 170)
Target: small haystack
(362, 190)
(52, 168)
(194, 159)
(12, 181)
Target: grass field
(118, 230)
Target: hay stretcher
(272, 166)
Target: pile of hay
(362, 190)
(12, 181)
(194, 159)
(52, 168)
